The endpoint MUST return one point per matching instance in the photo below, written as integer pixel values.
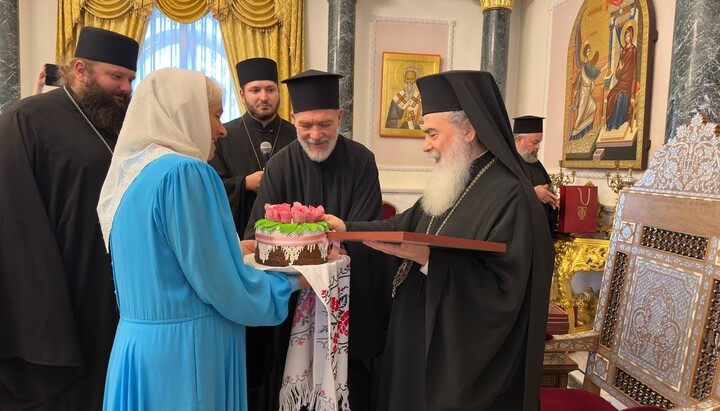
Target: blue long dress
(184, 294)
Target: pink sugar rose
(268, 211)
(273, 212)
(298, 217)
(299, 213)
(285, 216)
(315, 214)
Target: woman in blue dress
(182, 289)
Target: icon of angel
(583, 105)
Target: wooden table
(556, 367)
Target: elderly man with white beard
(467, 327)
(324, 168)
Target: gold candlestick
(561, 179)
(618, 182)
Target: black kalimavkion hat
(437, 94)
(255, 69)
(107, 47)
(528, 125)
(314, 90)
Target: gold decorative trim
(497, 4)
(574, 254)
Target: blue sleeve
(199, 228)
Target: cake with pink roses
(294, 235)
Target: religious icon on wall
(400, 103)
(608, 85)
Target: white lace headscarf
(169, 114)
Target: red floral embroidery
(305, 309)
(343, 325)
(334, 304)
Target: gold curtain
(250, 28)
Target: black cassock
(57, 306)
(346, 185)
(538, 176)
(238, 155)
(458, 336)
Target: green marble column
(695, 66)
(9, 53)
(495, 39)
(341, 56)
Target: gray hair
(214, 91)
(459, 119)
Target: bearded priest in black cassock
(325, 168)
(528, 134)
(238, 158)
(58, 313)
(467, 327)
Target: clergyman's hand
(418, 253)
(252, 181)
(336, 224)
(546, 196)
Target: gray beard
(448, 180)
(318, 158)
(530, 157)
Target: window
(195, 46)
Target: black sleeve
(33, 282)
(258, 207)
(241, 200)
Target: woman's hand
(303, 281)
(247, 247)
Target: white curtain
(195, 46)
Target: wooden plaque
(417, 238)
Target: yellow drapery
(250, 28)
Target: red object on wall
(578, 209)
